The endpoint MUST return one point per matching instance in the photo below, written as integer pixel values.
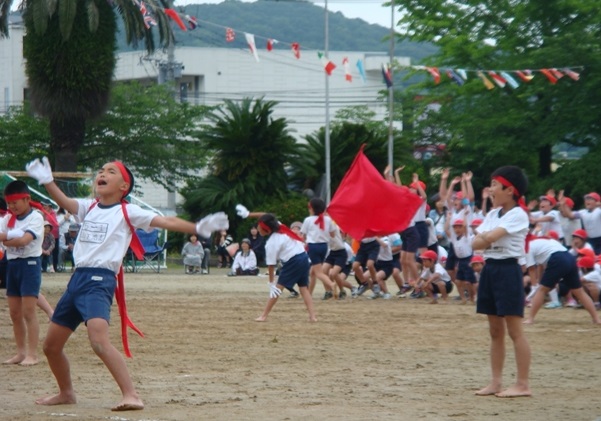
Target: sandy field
(205, 358)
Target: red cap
(476, 223)
(586, 252)
(476, 258)
(580, 233)
(586, 262)
(549, 199)
(569, 203)
(553, 234)
(594, 196)
(429, 254)
(458, 222)
(458, 195)
(420, 182)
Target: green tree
(155, 135)
(69, 49)
(484, 129)
(250, 151)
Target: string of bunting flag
(489, 78)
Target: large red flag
(367, 205)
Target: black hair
(515, 176)
(318, 205)
(270, 220)
(16, 187)
(3, 206)
(131, 180)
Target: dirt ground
(205, 358)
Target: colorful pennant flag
(148, 19)
(571, 74)
(525, 75)
(250, 40)
(347, 70)
(558, 75)
(230, 35)
(455, 77)
(512, 82)
(361, 70)
(175, 17)
(549, 76)
(489, 85)
(387, 75)
(271, 43)
(328, 66)
(435, 74)
(296, 49)
(501, 82)
(192, 24)
(461, 73)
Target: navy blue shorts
(89, 295)
(595, 244)
(396, 261)
(337, 258)
(317, 252)
(367, 251)
(422, 230)
(465, 271)
(561, 267)
(385, 266)
(451, 258)
(447, 285)
(501, 289)
(346, 269)
(295, 272)
(410, 238)
(24, 277)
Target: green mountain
(286, 21)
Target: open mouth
(102, 182)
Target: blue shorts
(24, 277)
(451, 258)
(89, 295)
(561, 267)
(385, 266)
(346, 269)
(367, 251)
(448, 286)
(422, 231)
(410, 238)
(595, 244)
(465, 271)
(295, 272)
(396, 261)
(337, 258)
(317, 252)
(501, 289)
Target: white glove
(15, 233)
(274, 291)
(213, 222)
(40, 170)
(242, 211)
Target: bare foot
(260, 319)
(433, 302)
(313, 319)
(29, 361)
(129, 404)
(15, 360)
(528, 321)
(488, 390)
(59, 399)
(515, 391)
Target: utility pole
(391, 91)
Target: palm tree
(249, 154)
(69, 49)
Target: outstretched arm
(41, 171)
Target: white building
(207, 76)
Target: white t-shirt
(313, 233)
(104, 235)
(245, 262)
(511, 245)
(593, 276)
(443, 254)
(32, 223)
(336, 242)
(385, 253)
(540, 249)
(432, 238)
(444, 275)
(350, 254)
(591, 221)
(420, 215)
(281, 247)
(553, 225)
(462, 246)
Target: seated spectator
(48, 245)
(245, 261)
(68, 243)
(193, 253)
(257, 243)
(223, 241)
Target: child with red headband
(107, 230)
(502, 237)
(22, 234)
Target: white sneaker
(387, 296)
(205, 272)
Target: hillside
(287, 21)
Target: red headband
(264, 226)
(16, 196)
(507, 183)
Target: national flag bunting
(175, 17)
(500, 81)
(328, 66)
(489, 85)
(525, 75)
(455, 77)
(361, 70)
(549, 76)
(572, 74)
(347, 70)
(149, 20)
(387, 75)
(296, 49)
(250, 40)
(510, 80)
(192, 24)
(271, 43)
(230, 35)
(435, 74)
